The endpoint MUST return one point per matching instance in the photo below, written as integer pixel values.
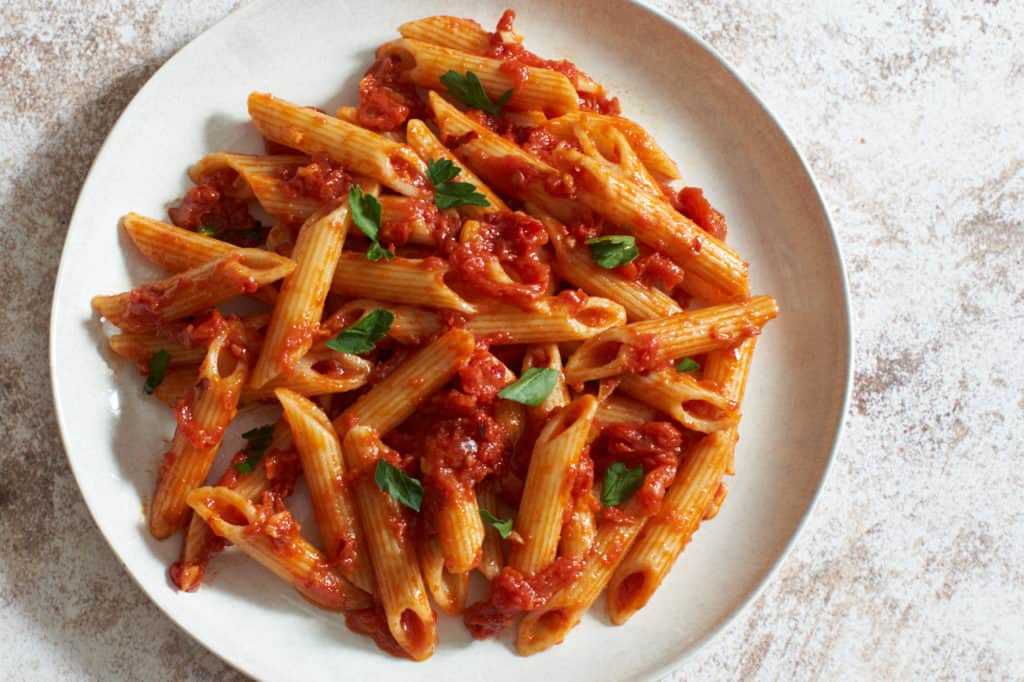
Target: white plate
(314, 52)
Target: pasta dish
(508, 342)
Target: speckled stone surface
(911, 116)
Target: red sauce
(386, 98)
(483, 376)
(197, 436)
(514, 241)
(691, 203)
(653, 269)
(321, 179)
(407, 171)
(601, 104)
(201, 332)
(656, 446)
(454, 143)
(509, 175)
(641, 355)
(297, 341)
(538, 141)
(582, 483)
(211, 205)
(330, 368)
(513, 593)
(374, 623)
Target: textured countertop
(912, 118)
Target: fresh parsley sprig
(366, 215)
(363, 336)
(613, 251)
(687, 365)
(398, 485)
(449, 194)
(503, 526)
(158, 363)
(620, 483)
(468, 90)
(533, 387)
(258, 442)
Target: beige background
(911, 116)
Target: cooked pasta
(500, 334)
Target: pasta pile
(479, 290)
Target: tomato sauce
(386, 98)
(322, 179)
(513, 241)
(513, 593)
(373, 622)
(656, 446)
(641, 355)
(691, 203)
(213, 206)
(653, 269)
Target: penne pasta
(271, 536)
(638, 345)
(688, 401)
(452, 32)
(553, 320)
(647, 150)
(149, 306)
(300, 303)
(548, 483)
(395, 165)
(321, 371)
(542, 90)
(448, 589)
(202, 417)
(402, 280)
(492, 558)
(396, 567)
(333, 503)
(411, 325)
(139, 348)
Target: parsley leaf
(504, 527)
(208, 230)
(613, 251)
(259, 440)
(620, 483)
(157, 370)
(452, 194)
(533, 387)
(405, 489)
(687, 365)
(468, 90)
(366, 215)
(364, 334)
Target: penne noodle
(679, 395)
(300, 302)
(402, 280)
(448, 589)
(542, 90)
(574, 264)
(395, 165)
(202, 418)
(729, 369)
(149, 306)
(616, 409)
(547, 626)
(430, 148)
(452, 32)
(548, 484)
(201, 543)
(273, 540)
(333, 503)
(139, 348)
(411, 325)
(655, 223)
(178, 381)
(553, 320)
(248, 166)
(322, 371)
(550, 357)
(396, 567)
(460, 532)
(628, 349)
(647, 150)
(580, 530)
(392, 400)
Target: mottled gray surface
(912, 117)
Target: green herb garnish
(468, 90)
(258, 442)
(366, 215)
(533, 387)
(452, 194)
(364, 334)
(158, 363)
(613, 251)
(687, 365)
(405, 489)
(620, 483)
(503, 526)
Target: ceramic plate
(314, 53)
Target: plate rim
(677, 658)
